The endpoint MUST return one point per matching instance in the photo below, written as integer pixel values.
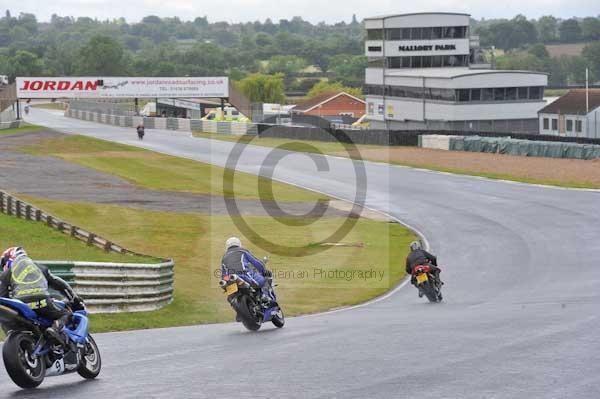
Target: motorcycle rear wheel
(249, 319)
(25, 370)
(430, 291)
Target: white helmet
(415, 245)
(232, 242)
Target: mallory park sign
(122, 87)
(428, 47)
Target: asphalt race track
(521, 317)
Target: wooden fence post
(38, 215)
(90, 239)
(18, 208)
(9, 205)
(1, 201)
(28, 212)
(49, 220)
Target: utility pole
(587, 92)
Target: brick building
(330, 105)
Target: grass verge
(160, 172)
(315, 282)
(23, 129)
(45, 243)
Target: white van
(3, 80)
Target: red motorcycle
(427, 283)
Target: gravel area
(56, 179)
(558, 171)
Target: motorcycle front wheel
(91, 363)
(278, 319)
(23, 368)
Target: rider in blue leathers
(240, 261)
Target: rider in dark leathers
(418, 256)
(240, 261)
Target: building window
(380, 109)
(487, 94)
(463, 95)
(569, 125)
(374, 34)
(426, 33)
(535, 93)
(416, 33)
(578, 126)
(429, 33)
(371, 108)
(546, 123)
(475, 94)
(374, 48)
(511, 93)
(554, 124)
(522, 93)
(393, 34)
(499, 94)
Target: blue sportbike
(247, 301)
(30, 356)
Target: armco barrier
(106, 287)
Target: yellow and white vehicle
(228, 114)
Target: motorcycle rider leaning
(418, 256)
(28, 282)
(240, 261)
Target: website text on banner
(121, 87)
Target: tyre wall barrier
(510, 146)
(106, 287)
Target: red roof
(573, 103)
(321, 99)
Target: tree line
(295, 54)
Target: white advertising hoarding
(121, 87)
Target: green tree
(263, 88)
(590, 28)
(348, 69)
(328, 87)
(102, 56)
(289, 65)
(570, 31)
(591, 53)
(547, 28)
(25, 63)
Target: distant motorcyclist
(240, 261)
(28, 282)
(140, 131)
(418, 256)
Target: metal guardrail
(106, 287)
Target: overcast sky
(311, 10)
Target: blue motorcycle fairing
(25, 311)
(80, 332)
(269, 314)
